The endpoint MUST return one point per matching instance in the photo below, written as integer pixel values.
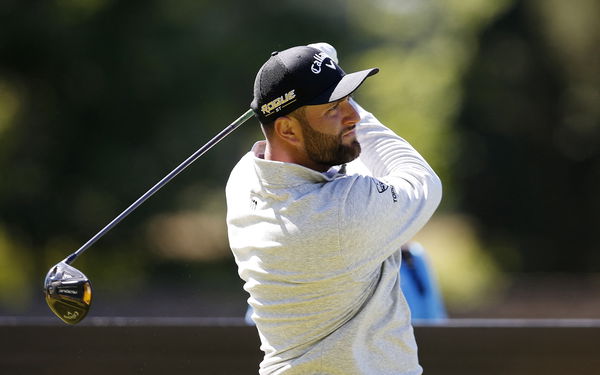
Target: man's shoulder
(241, 170)
(350, 184)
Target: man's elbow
(434, 190)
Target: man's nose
(351, 116)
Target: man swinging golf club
(317, 246)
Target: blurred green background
(99, 99)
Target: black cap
(301, 76)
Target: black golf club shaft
(230, 128)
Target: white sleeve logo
(382, 188)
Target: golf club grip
(216, 139)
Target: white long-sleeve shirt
(320, 255)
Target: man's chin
(356, 149)
(352, 152)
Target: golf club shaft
(230, 128)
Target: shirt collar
(288, 174)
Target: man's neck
(289, 156)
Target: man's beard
(327, 149)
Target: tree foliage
(100, 99)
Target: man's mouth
(351, 131)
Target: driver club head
(68, 293)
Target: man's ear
(287, 129)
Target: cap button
(274, 53)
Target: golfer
(318, 246)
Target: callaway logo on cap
(301, 76)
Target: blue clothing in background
(419, 285)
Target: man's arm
(385, 209)
(396, 193)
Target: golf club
(68, 291)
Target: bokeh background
(99, 99)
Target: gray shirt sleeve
(394, 201)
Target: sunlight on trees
(99, 99)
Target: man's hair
(299, 114)
(267, 128)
